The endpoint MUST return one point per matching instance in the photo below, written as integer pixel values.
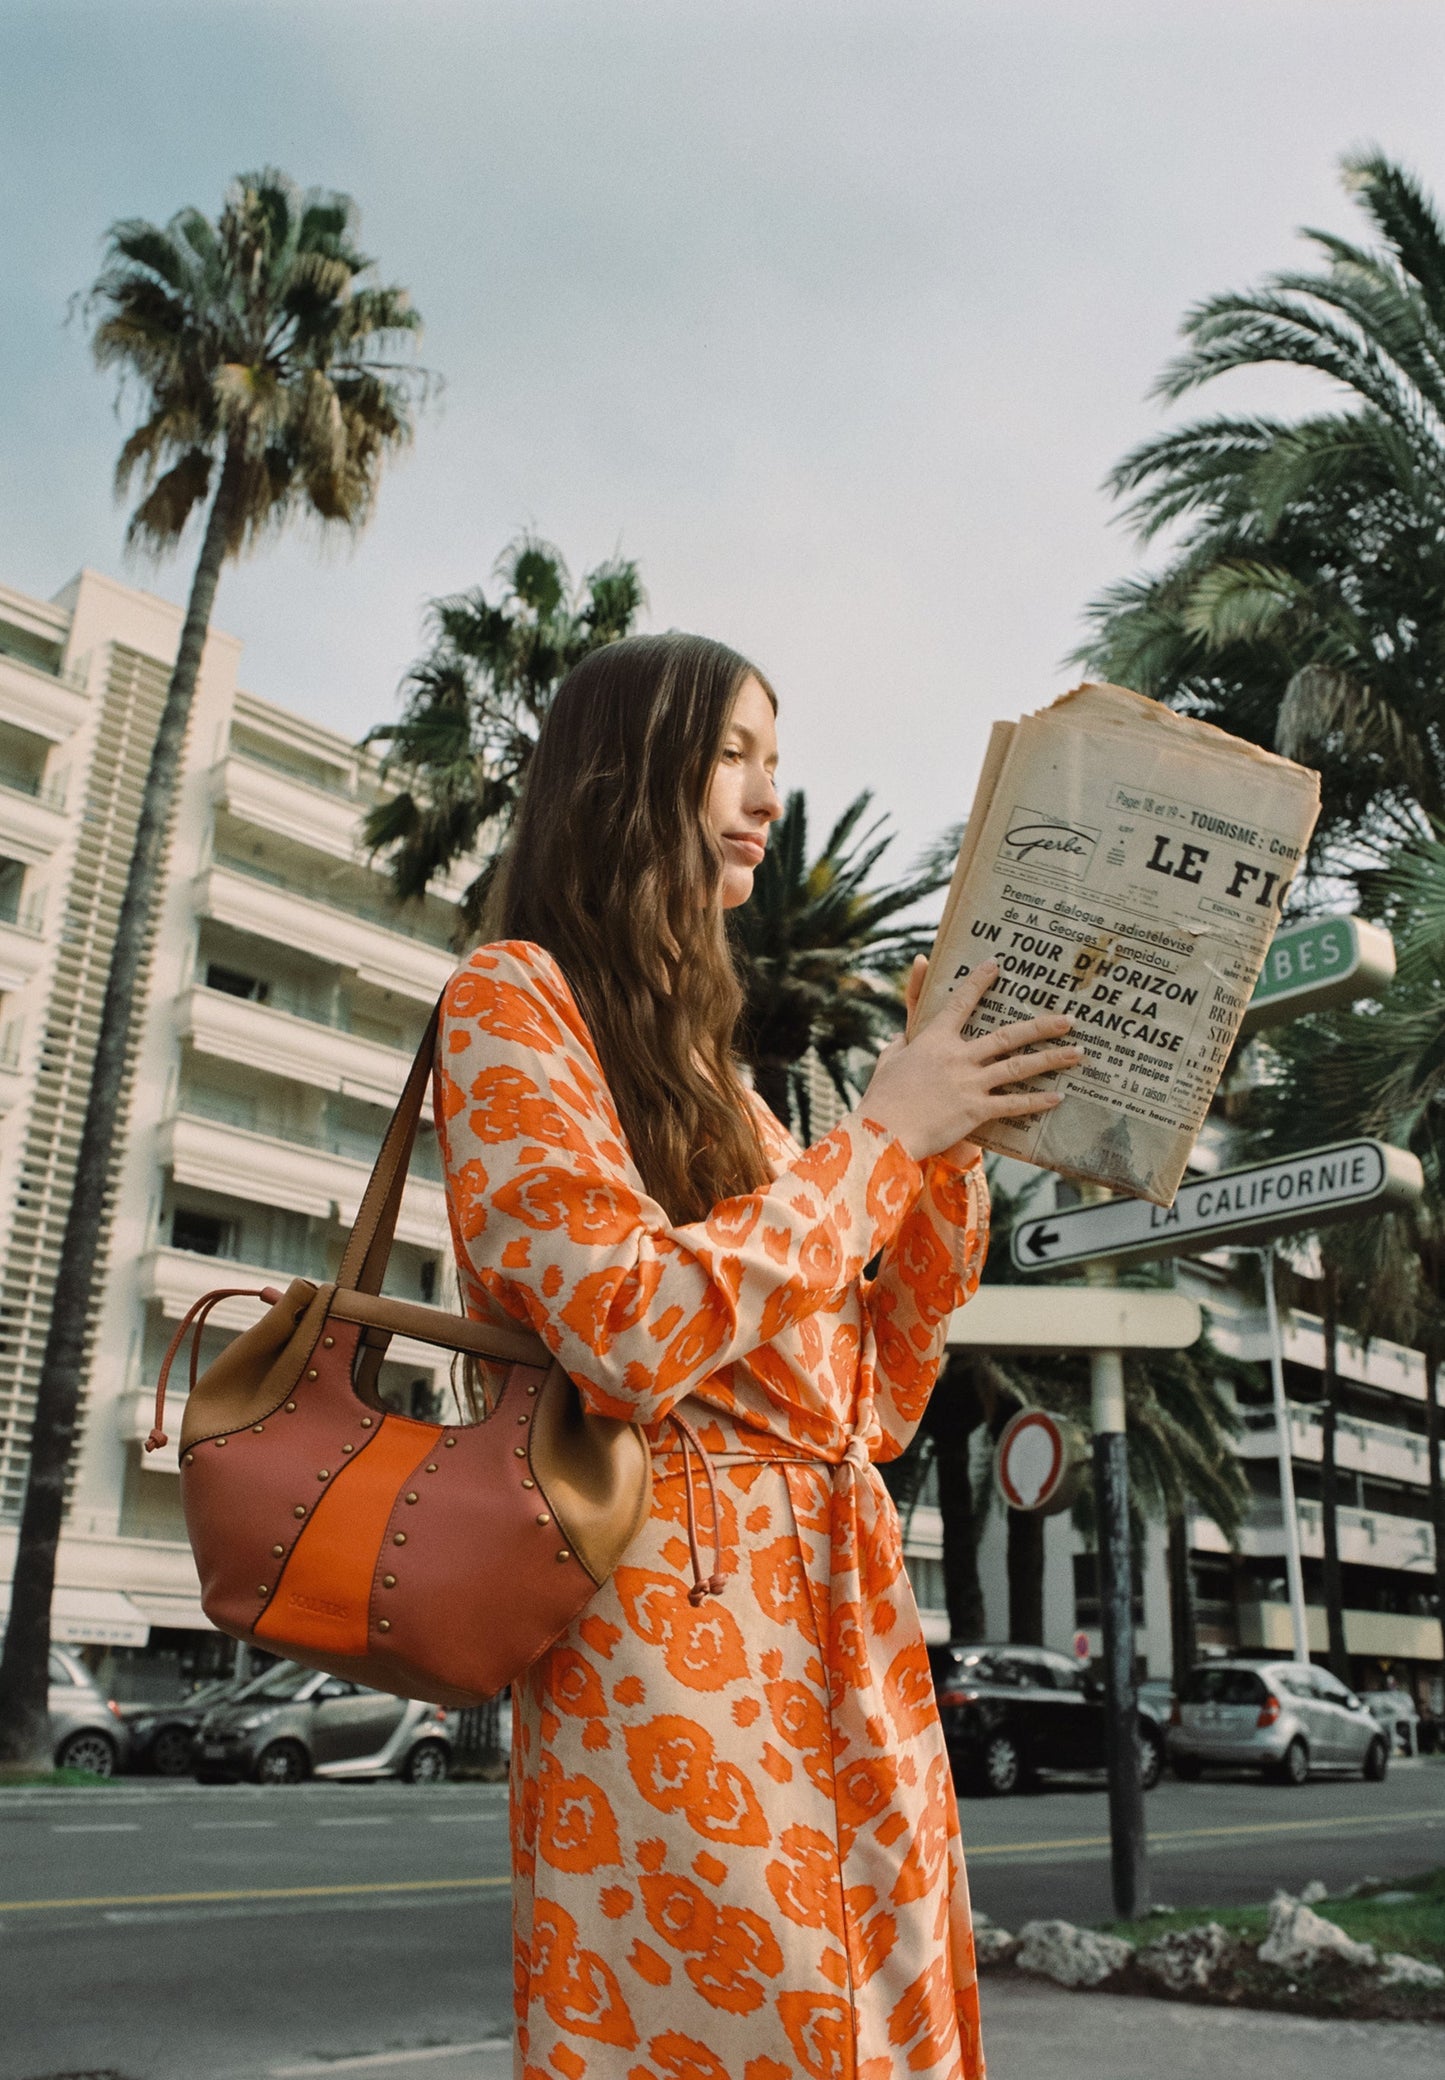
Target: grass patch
(14, 1773)
(1416, 1925)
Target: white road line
(196, 1825)
(388, 2058)
(460, 1819)
(360, 1820)
(98, 1827)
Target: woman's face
(742, 800)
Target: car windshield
(1222, 1686)
(993, 1668)
(282, 1681)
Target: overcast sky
(832, 316)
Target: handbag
(433, 1560)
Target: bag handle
(363, 1266)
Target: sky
(833, 316)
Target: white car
(1395, 1710)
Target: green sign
(1327, 960)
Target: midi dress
(736, 1852)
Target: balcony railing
(25, 913)
(411, 924)
(1360, 1445)
(14, 781)
(355, 1144)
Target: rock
(1399, 1970)
(993, 1945)
(1185, 1959)
(1298, 1938)
(1070, 1956)
(1314, 1892)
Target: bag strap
(363, 1265)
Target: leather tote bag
(433, 1560)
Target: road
(175, 1932)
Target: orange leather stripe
(324, 1598)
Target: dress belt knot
(857, 1453)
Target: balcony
(236, 1030)
(378, 952)
(1368, 1538)
(1391, 1635)
(262, 793)
(1374, 1449)
(22, 949)
(177, 1279)
(1391, 1367)
(213, 1156)
(44, 703)
(32, 817)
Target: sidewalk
(1038, 2032)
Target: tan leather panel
(456, 1332)
(597, 1473)
(255, 1374)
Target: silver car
(294, 1722)
(86, 1727)
(1284, 1718)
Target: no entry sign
(1237, 1206)
(1039, 1462)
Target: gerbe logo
(1039, 841)
(318, 1606)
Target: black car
(163, 1736)
(1010, 1712)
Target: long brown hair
(612, 869)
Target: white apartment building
(285, 998)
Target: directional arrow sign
(1327, 960)
(1074, 1318)
(1238, 1206)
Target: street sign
(1074, 1318)
(1324, 961)
(1237, 1206)
(1081, 1646)
(1039, 1462)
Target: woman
(735, 1845)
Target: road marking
(1380, 1821)
(359, 1820)
(459, 1819)
(388, 2058)
(99, 1827)
(196, 1825)
(195, 1899)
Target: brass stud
(531, 1390)
(278, 1551)
(300, 1510)
(412, 1495)
(564, 1554)
(262, 1590)
(519, 1451)
(432, 1467)
(219, 1442)
(291, 1408)
(366, 1422)
(325, 1474)
(529, 1483)
(258, 1428)
(348, 1448)
(388, 1581)
(327, 1342)
(383, 1624)
(399, 1539)
(524, 1419)
(312, 1373)
(449, 1442)
(190, 1458)
(544, 1518)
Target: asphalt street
(174, 1932)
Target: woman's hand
(934, 1091)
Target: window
(1222, 1686)
(427, 1278)
(205, 1234)
(236, 984)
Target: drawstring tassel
(194, 1321)
(703, 1585)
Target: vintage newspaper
(1127, 865)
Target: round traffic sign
(1081, 1646)
(1039, 1462)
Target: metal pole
(1293, 1567)
(1116, 1595)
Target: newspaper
(1127, 865)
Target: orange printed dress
(735, 1843)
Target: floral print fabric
(735, 1842)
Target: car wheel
(428, 1763)
(1186, 1769)
(171, 1752)
(284, 1762)
(88, 1749)
(1000, 1766)
(1151, 1760)
(1294, 1765)
(1377, 1761)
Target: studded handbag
(434, 1560)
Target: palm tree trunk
(1339, 1659)
(23, 1668)
(770, 1080)
(1025, 1578)
(1433, 1439)
(1183, 1637)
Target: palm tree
(261, 354)
(473, 706)
(1303, 604)
(821, 953)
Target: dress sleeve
(550, 1224)
(931, 1268)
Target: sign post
(1294, 1573)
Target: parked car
(85, 1724)
(1397, 1712)
(295, 1722)
(163, 1735)
(1010, 1712)
(1283, 1718)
